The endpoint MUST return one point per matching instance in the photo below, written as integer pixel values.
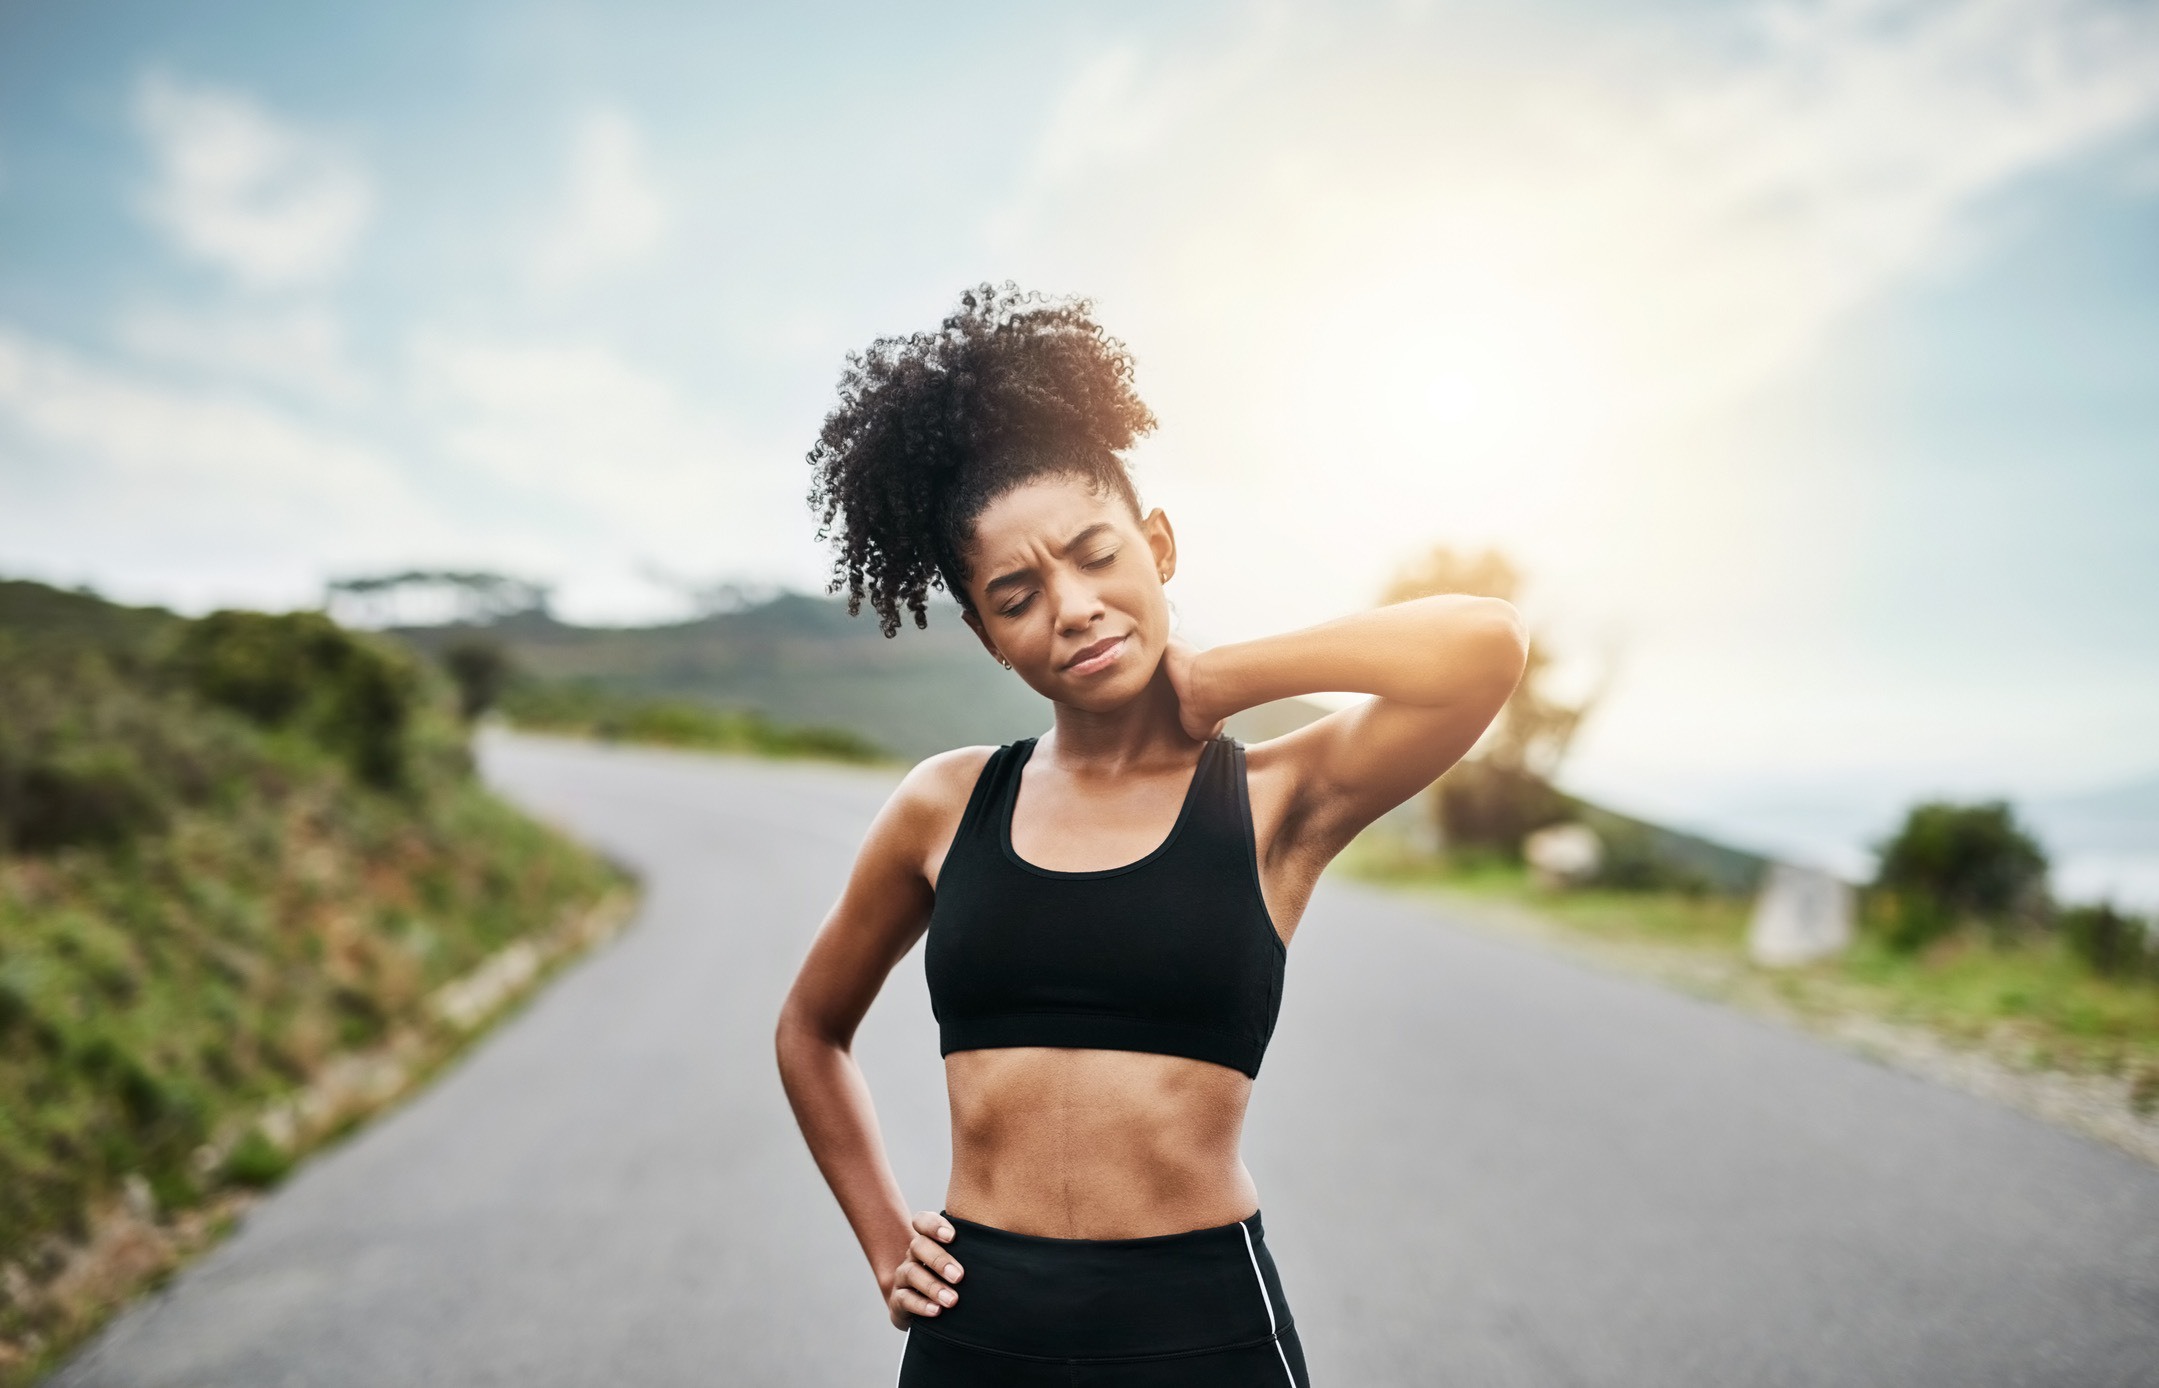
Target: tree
(433, 597)
(1949, 864)
(1504, 792)
(481, 668)
(301, 670)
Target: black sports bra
(1173, 954)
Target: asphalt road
(1480, 1166)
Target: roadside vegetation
(2038, 995)
(236, 854)
(587, 710)
(1956, 936)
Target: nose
(1075, 602)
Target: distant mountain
(798, 659)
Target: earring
(1006, 663)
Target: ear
(974, 624)
(1161, 543)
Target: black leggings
(1196, 1310)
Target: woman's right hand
(1180, 661)
(922, 1284)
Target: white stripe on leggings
(1268, 1302)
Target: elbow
(790, 1037)
(798, 1036)
(1482, 650)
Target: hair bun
(932, 427)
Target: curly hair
(933, 427)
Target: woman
(1107, 906)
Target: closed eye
(1101, 563)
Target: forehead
(1042, 516)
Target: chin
(1120, 688)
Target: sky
(1804, 354)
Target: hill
(798, 659)
(235, 854)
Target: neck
(1144, 729)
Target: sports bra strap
(985, 803)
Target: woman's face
(1066, 585)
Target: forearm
(1429, 653)
(832, 1105)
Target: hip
(1192, 1308)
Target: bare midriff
(1081, 1144)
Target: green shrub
(1951, 864)
(301, 670)
(2113, 943)
(481, 669)
(256, 1162)
(84, 795)
(89, 755)
(1634, 861)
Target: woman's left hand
(1180, 660)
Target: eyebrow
(1019, 576)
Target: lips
(1099, 656)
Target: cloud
(1491, 278)
(202, 461)
(262, 200)
(639, 471)
(612, 215)
(195, 480)
(1850, 154)
(1687, 216)
(300, 349)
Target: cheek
(1148, 600)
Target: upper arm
(885, 905)
(1352, 766)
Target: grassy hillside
(798, 660)
(577, 708)
(232, 853)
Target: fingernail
(947, 1297)
(935, 1309)
(945, 1232)
(952, 1272)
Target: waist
(1193, 1292)
(1096, 1144)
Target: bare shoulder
(945, 780)
(929, 800)
(918, 823)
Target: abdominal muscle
(1082, 1144)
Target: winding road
(1481, 1165)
